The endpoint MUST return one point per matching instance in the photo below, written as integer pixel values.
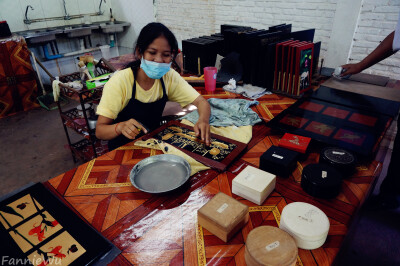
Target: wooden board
(221, 152)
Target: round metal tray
(160, 173)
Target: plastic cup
(210, 78)
(105, 51)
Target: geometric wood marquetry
(115, 172)
(162, 229)
(234, 248)
(271, 109)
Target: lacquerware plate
(160, 173)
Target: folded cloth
(228, 112)
(231, 86)
(56, 89)
(249, 91)
(166, 148)
(242, 134)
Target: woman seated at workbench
(134, 98)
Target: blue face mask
(154, 70)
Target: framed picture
(353, 129)
(221, 152)
(357, 101)
(36, 227)
(303, 70)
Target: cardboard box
(294, 142)
(278, 161)
(223, 216)
(253, 184)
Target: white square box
(253, 184)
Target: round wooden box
(340, 159)
(268, 245)
(321, 181)
(307, 224)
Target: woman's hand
(202, 130)
(352, 69)
(202, 127)
(130, 128)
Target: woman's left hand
(202, 130)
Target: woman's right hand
(130, 128)
(352, 69)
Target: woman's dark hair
(148, 34)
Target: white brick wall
(302, 14)
(377, 19)
(192, 18)
(187, 18)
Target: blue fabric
(228, 112)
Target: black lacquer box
(4, 29)
(279, 161)
(340, 159)
(321, 181)
(198, 53)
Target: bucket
(105, 51)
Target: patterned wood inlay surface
(163, 229)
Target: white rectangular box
(253, 184)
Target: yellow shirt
(118, 91)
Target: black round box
(321, 181)
(340, 159)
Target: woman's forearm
(107, 131)
(203, 108)
(384, 50)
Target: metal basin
(40, 35)
(79, 30)
(113, 27)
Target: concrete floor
(33, 148)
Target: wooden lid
(268, 245)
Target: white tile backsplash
(36, 13)
(13, 13)
(73, 7)
(87, 7)
(53, 9)
(137, 12)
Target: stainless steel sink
(49, 34)
(113, 27)
(40, 35)
(79, 30)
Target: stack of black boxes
(256, 49)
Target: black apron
(148, 114)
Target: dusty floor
(32, 148)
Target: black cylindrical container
(340, 159)
(321, 181)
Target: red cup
(210, 78)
